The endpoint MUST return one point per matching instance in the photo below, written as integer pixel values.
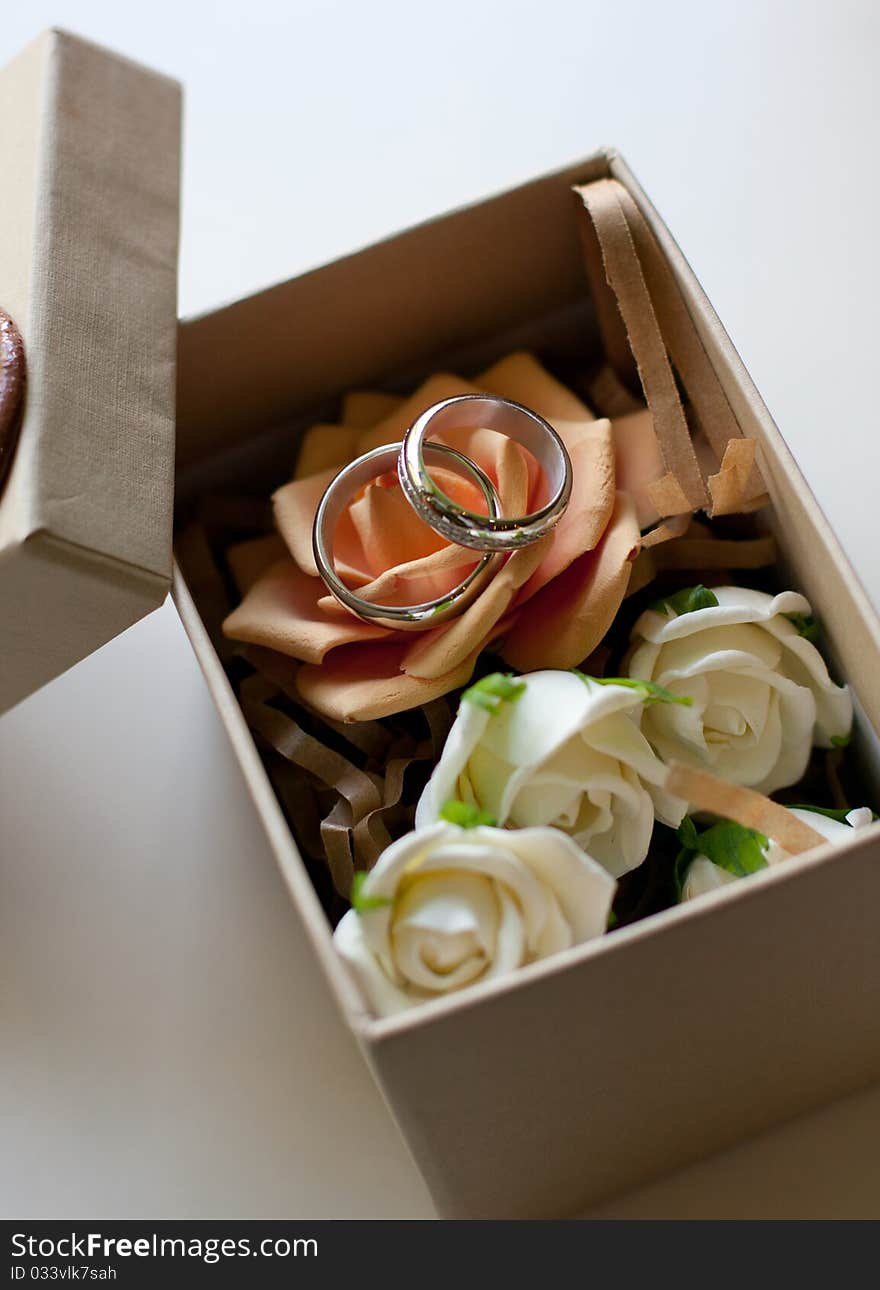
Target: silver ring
(337, 496)
(456, 523)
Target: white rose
(555, 748)
(703, 875)
(761, 692)
(447, 906)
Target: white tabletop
(168, 1047)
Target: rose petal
(860, 817)
(621, 846)
(638, 461)
(426, 578)
(466, 732)
(703, 876)
(756, 669)
(295, 506)
(248, 560)
(383, 995)
(392, 428)
(735, 605)
(281, 612)
(487, 851)
(325, 447)
(503, 461)
(363, 682)
(446, 906)
(592, 500)
(583, 889)
(387, 526)
(797, 715)
(439, 651)
(363, 409)
(743, 645)
(536, 796)
(620, 738)
(510, 944)
(444, 930)
(566, 619)
(804, 664)
(521, 377)
(552, 707)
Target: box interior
(505, 275)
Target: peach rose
(549, 606)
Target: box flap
(90, 159)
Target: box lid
(89, 158)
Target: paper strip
(657, 319)
(624, 275)
(753, 810)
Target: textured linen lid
(89, 197)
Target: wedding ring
(344, 487)
(467, 528)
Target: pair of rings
(492, 533)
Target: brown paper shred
(668, 531)
(289, 739)
(615, 341)
(698, 550)
(610, 397)
(633, 265)
(624, 274)
(369, 737)
(833, 762)
(668, 497)
(364, 806)
(753, 810)
(717, 553)
(438, 716)
(356, 790)
(710, 403)
(277, 668)
(300, 804)
(372, 833)
(256, 688)
(730, 488)
(644, 571)
(336, 842)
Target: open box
(620, 1059)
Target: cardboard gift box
(539, 1093)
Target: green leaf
(466, 816)
(827, 811)
(841, 741)
(650, 691)
(686, 601)
(733, 847)
(687, 834)
(359, 902)
(807, 626)
(494, 690)
(683, 862)
(612, 921)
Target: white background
(167, 1048)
